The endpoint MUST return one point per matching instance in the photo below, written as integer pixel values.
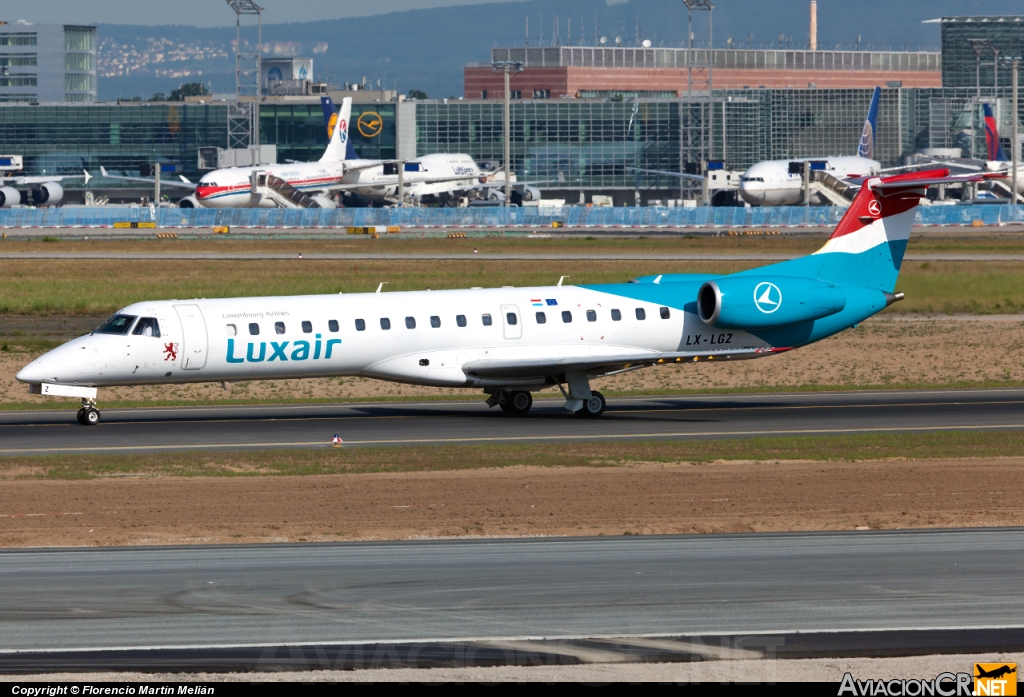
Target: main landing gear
(88, 415)
(579, 398)
(512, 402)
(593, 407)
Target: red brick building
(596, 72)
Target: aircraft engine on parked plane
(762, 302)
(531, 193)
(325, 201)
(9, 197)
(48, 194)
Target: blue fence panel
(574, 216)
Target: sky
(204, 13)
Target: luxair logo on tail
(280, 351)
(866, 148)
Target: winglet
(87, 176)
(103, 172)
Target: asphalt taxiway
(716, 596)
(471, 422)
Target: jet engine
(764, 302)
(189, 202)
(530, 193)
(9, 197)
(48, 194)
(325, 201)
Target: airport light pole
(1014, 145)
(507, 67)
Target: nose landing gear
(88, 415)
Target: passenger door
(193, 337)
(513, 322)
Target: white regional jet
(508, 342)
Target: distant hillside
(427, 49)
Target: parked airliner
(508, 342)
(780, 182)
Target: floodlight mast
(709, 7)
(507, 68)
(244, 113)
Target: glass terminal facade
(560, 144)
(299, 132)
(970, 46)
(592, 144)
(65, 139)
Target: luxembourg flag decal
(537, 302)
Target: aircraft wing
(680, 175)
(183, 184)
(29, 181)
(550, 367)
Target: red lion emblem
(170, 352)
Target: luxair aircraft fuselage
(508, 342)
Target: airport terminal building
(587, 143)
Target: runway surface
(345, 256)
(471, 422)
(511, 590)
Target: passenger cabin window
(566, 316)
(616, 316)
(307, 327)
(460, 320)
(665, 313)
(511, 318)
(254, 329)
(332, 324)
(410, 322)
(232, 330)
(542, 318)
(435, 322)
(118, 324)
(640, 313)
(147, 326)
(385, 323)
(591, 316)
(360, 325)
(487, 320)
(279, 327)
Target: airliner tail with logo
(507, 342)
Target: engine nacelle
(189, 202)
(9, 197)
(48, 194)
(325, 201)
(764, 302)
(530, 193)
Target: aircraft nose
(32, 373)
(751, 192)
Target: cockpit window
(147, 326)
(118, 324)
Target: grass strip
(99, 287)
(337, 461)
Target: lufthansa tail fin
(994, 147)
(337, 149)
(866, 148)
